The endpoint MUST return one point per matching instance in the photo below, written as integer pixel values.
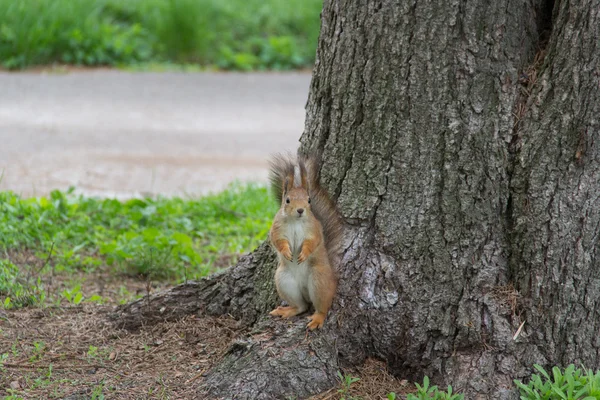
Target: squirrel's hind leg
(289, 289)
(321, 289)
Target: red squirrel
(305, 233)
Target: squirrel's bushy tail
(283, 169)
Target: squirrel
(306, 233)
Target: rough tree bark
(461, 143)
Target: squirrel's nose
(300, 211)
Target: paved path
(113, 133)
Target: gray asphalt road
(112, 133)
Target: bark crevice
(544, 22)
(528, 77)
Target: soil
(79, 352)
(65, 351)
(74, 352)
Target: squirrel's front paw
(287, 253)
(302, 256)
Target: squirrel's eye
(287, 200)
(309, 200)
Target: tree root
(244, 291)
(276, 360)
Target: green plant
(97, 392)
(92, 352)
(96, 299)
(43, 380)
(568, 384)
(3, 358)
(346, 382)
(233, 34)
(14, 349)
(162, 238)
(74, 295)
(391, 396)
(38, 350)
(426, 392)
(16, 289)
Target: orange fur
(308, 247)
(283, 247)
(316, 321)
(304, 275)
(285, 312)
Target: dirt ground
(75, 352)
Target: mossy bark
(461, 142)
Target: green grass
(346, 382)
(564, 384)
(426, 392)
(228, 34)
(15, 290)
(163, 238)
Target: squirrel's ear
(304, 178)
(286, 185)
(302, 174)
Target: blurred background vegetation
(223, 34)
(168, 239)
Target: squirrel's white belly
(294, 233)
(293, 282)
(295, 275)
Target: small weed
(568, 384)
(3, 358)
(14, 350)
(38, 351)
(426, 392)
(16, 288)
(97, 392)
(125, 295)
(45, 380)
(74, 295)
(92, 352)
(96, 299)
(39, 346)
(347, 381)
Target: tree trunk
(461, 143)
